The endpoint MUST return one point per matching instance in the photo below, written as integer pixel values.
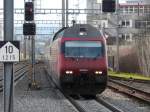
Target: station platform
(46, 99)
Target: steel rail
(16, 79)
(20, 76)
(72, 101)
(80, 108)
(19, 69)
(108, 105)
(132, 80)
(126, 89)
(139, 90)
(17, 76)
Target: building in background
(1, 32)
(132, 19)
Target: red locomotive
(78, 61)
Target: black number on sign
(9, 49)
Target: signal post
(29, 30)
(9, 53)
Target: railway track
(130, 79)
(20, 69)
(128, 90)
(78, 104)
(108, 105)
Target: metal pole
(67, 13)
(30, 49)
(8, 67)
(33, 59)
(117, 37)
(63, 13)
(24, 55)
(34, 84)
(138, 8)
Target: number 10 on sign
(9, 51)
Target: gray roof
(85, 28)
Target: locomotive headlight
(98, 72)
(69, 72)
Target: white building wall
(131, 24)
(1, 32)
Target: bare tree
(142, 44)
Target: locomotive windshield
(83, 49)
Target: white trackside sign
(9, 51)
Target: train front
(83, 65)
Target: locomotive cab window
(83, 49)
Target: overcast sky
(48, 3)
(55, 3)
